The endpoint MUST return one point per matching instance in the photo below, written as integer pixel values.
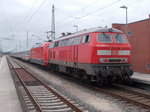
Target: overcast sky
(19, 16)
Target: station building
(139, 38)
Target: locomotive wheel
(120, 80)
(86, 78)
(100, 80)
(128, 80)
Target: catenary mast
(53, 23)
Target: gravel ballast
(92, 100)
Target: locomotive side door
(76, 44)
(75, 53)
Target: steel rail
(138, 93)
(119, 96)
(72, 106)
(125, 98)
(138, 103)
(37, 106)
(113, 94)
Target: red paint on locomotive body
(97, 53)
(39, 54)
(93, 51)
(112, 51)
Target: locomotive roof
(97, 29)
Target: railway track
(40, 97)
(130, 96)
(122, 93)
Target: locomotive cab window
(86, 39)
(63, 43)
(104, 38)
(119, 38)
(71, 41)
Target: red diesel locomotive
(98, 54)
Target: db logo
(114, 52)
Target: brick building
(140, 44)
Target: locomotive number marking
(114, 52)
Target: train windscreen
(120, 38)
(104, 38)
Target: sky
(19, 16)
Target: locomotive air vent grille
(114, 60)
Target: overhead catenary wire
(102, 8)
(90, 13)
(129, 4)
(33, 15)
(26, 17)
(74, 17)
(6, 18)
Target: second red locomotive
(39, 54)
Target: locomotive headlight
(103, 60)
(124, 60)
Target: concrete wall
(140, 44)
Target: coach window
(56, 44)
(71, 41)
(86, 39)
(66, 42)
(61, 43)
(76, 40)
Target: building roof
(131, 22)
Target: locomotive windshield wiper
(105, 35)
(117, 36)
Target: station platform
(9, 101)
(141, 77)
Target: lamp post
(76, 27)
(27, 39)
(124, 7)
